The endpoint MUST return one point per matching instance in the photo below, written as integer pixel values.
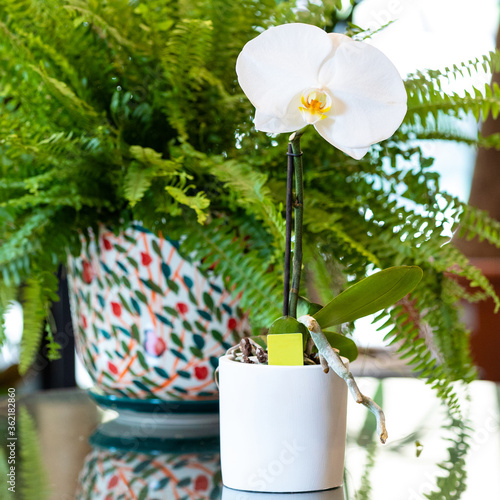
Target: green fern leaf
(151, 158)
(137, 182)
(199, 203)
(33, 474)
(34, 313)
(220, 245)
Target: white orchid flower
(297, 74)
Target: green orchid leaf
(345, 345)
(314, 308)
(305, 306)
(302, 306)
(287, 324)
(370, 295)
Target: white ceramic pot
(283, 428)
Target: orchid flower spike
(297, 74)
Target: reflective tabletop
(66, 447)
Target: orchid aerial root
(324, 364)
(335, 363)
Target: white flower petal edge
(280, 63)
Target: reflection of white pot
(283, 428)
(336, 494)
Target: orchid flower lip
(316, 103)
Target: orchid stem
(298, 218)
(288, 237)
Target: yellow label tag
(285, 349)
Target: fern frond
(488, 63)
(151, 158)
(199, 202)
(250, 192)
(33, 46)
(465, 270)
(33, 474)
(19, 244)
(334, 226)
(246, 188)
(437, 133)
(219, 244)
(473, 222)
(86, 14)
(137, 182)
(359, 33)
(453, 484)
(52, 346)
(327, 277)
(184, 55)
(426, 103)
(34, 313)
(86, 115)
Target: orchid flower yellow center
(315, 105)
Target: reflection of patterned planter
(109, 475)
(148, 323)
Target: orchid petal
(324, 128)
(369, 97)
(280, 63)
(291, 121)
(357, 154)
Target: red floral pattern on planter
(112, 368)
(117, 309)
(87, 272)
(201, 372)
(150, 323)
(146, 259)
(181, 307)
(113, 482)
(201, 483)
(107, 244)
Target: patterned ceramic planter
(148, 323)
(115, 474)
